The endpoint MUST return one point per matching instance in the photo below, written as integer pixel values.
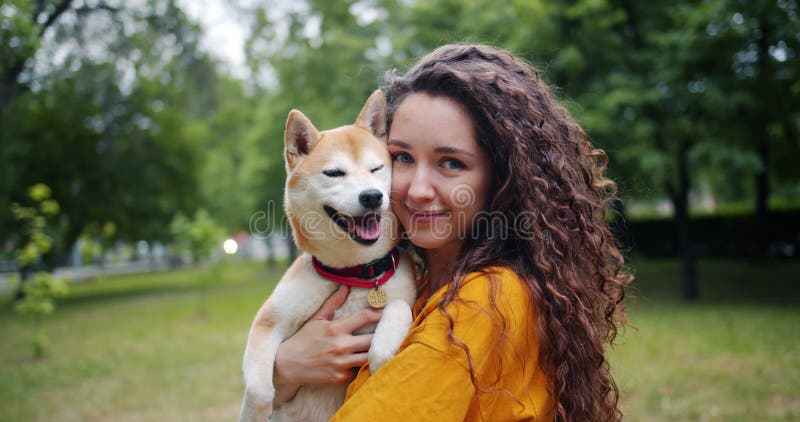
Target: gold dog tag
(376, 298)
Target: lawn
(732, 356)
(161, 347)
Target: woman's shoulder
(483, 297)
(493, 283)
(489, 305)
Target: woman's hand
(323, 351)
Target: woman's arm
(323, 351)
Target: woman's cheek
(397, 195)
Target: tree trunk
(762, 177)
(762, 124)
(24, 277)
(8, 84)
(680, 200)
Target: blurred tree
(200, 235)
(37, 290)
(38, 225)
(116, 109)
(20, 38)
(755, 46)
(226, 178)
(704, 99)
(38, 301)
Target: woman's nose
(421, 188)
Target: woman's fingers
(361, 343)
(324, 351)
(332, 303)
(353, 344)
(356, 320)
(355, 360)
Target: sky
(223, 34)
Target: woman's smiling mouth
(426, 216)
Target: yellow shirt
(429, 377)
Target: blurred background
(141, 183)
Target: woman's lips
(427, 217)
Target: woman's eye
(333, 173)
(452, 164)
(402, 157)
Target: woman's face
(440, 176)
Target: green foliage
(94, 240)
(19, 36)
(39, 293)
(35, 241)
(201, 235)
(89, 249)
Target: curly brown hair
(544, 166)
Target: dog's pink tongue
(370, 227)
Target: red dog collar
(361, 275)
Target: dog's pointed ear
(300, 137)
(373, 116)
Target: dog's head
(337, 187)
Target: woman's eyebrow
(452, 150)
(438, 150)
(400, 144)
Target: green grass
(734, 355)
(135, 348)
(151, 348)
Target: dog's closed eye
(377, 168)
(333, 173)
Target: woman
(503, 198)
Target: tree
(36, 295)
(200, 235)
(115, 123)
(20, 38)
(756, 45)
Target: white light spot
(779, 52)
(230, 246)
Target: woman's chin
(429, 241)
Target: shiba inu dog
(337, 202)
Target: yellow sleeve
(420, 382)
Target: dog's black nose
(371, 198)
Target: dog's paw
(377, 357)
(389, 334)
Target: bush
(778, 235)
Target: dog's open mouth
(364, 229)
